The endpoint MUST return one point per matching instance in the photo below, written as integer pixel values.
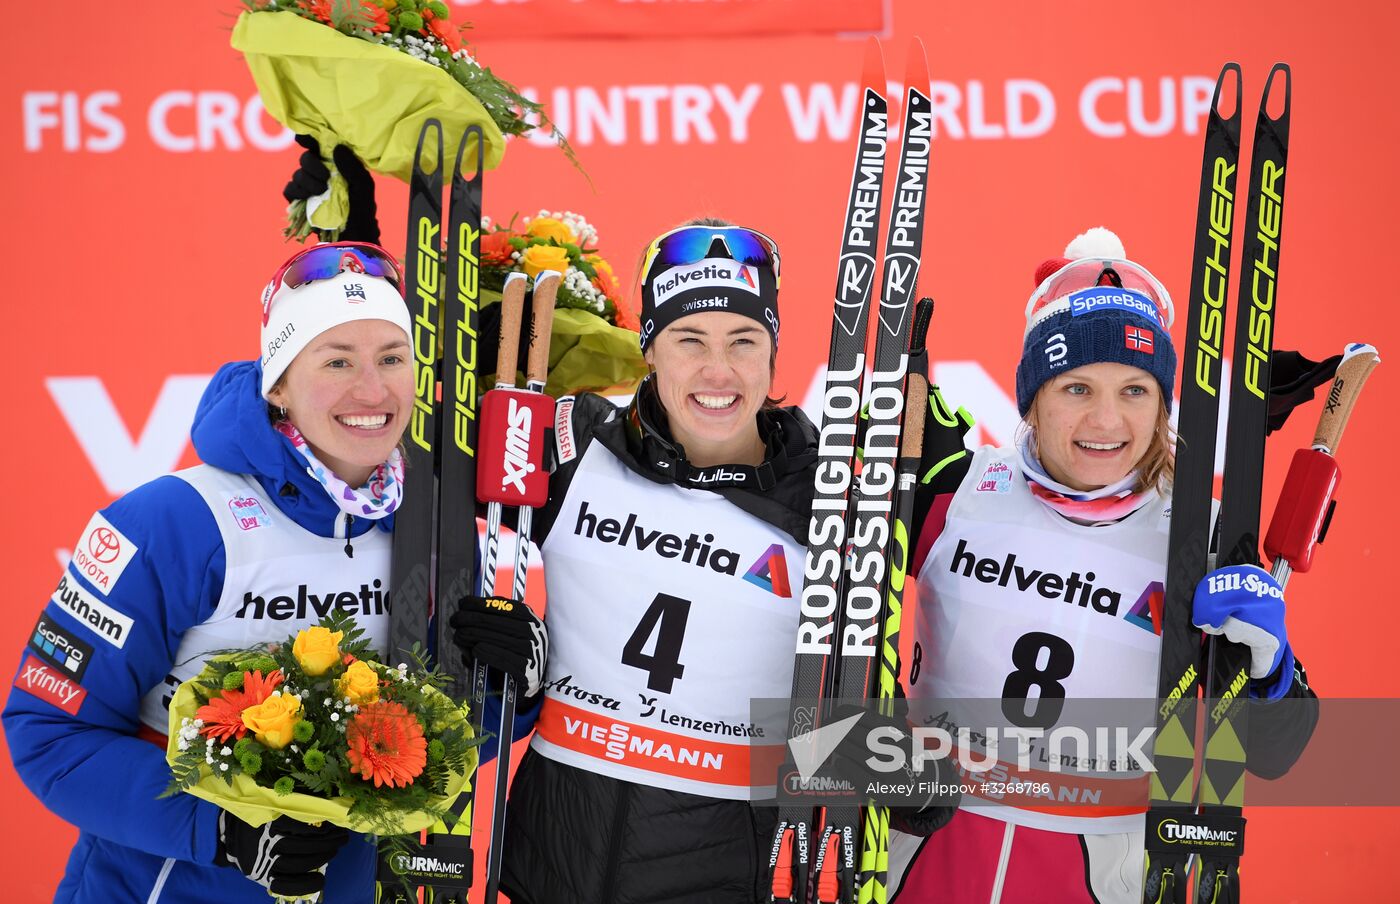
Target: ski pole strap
(1182, 832)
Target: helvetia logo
(1074, 588)
(517, 462)
(709, 274)
(769, 571)
(1146, 613)
(370, 599)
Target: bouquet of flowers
(594, 342)
(368, 74)
(317, 729)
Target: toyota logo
(104, 545)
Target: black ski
(875, 830)
(871, 514)
(434, 548)
(1227, 664)
(1178, 683)
(845, 374)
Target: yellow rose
(538, 258)
(317, 649)
(272, 720)
(550, 228)
(360, 683)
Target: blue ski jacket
(108, 638)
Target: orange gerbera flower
(449, 34)
(385, 743)
(223, 715)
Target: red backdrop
(143, 215)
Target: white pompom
(1096, 242)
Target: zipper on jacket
(349, 523)
(615, 842)
(1003, 863)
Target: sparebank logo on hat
(1087, 301)
(707, 274)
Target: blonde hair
(1156, 470)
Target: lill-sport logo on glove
(1249, 583)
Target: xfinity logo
(1076, 588)
(370, 599)
(517, 458)
(43, 682)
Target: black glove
(284, 856)
(504, 634)
(933, 809)
(313, 177)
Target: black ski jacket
(576, 837)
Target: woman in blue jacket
(292, 507)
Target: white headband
(297, 316)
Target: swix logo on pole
(511, 468)
(517, 457)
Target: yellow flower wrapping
(343, 90)
(257, 805)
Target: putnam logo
(770, 572)
(102, 553)
(1074, 588)
(248, 512)
(46, 683)
(109, 624)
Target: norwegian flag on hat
(1137, 339)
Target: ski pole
(513, 472)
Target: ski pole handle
(1305, 504)
(512, 309)
(1357, 363)
(541, 324)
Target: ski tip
(873, 71)
(516, 278)
(1267, 105)
(916, 68)
(1229, 84)
(1361, 348)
